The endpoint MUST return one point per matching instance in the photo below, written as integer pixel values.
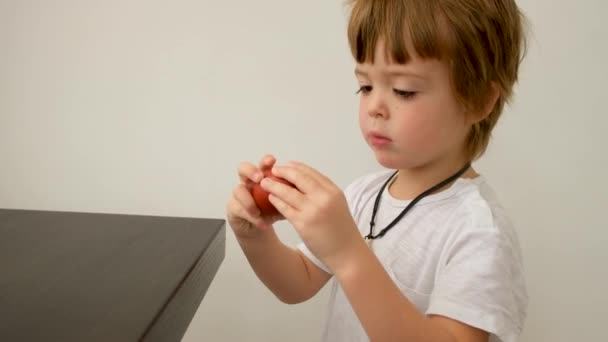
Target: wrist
(260, 237)
(351, 258)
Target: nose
(376, 106)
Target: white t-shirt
(455, 254)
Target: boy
(425, 253)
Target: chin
(396, 161)
(390, 161)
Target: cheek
(428, 127)
(418, 125)
(361, 119)
(362, 116)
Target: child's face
(412, 105)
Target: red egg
(260, 196)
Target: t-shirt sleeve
(302, 247)
(480, 282)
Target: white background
(147, 107)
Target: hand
(317, 209)
(243, 215)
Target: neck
(413, 181)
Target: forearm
(279, 267)
(385, 313)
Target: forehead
(416, 66)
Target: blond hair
(482, 40)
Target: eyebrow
(393, 73)
(360, 72)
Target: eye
(405, 93)
(364, 90)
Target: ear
(488, 107)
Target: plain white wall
(146, 107)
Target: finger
(243, 196)
(267, 162)
(284, 208)
(237, 211)
(249, 174)
(286, 193)
(311, 172)
(243, 206)
(303, 180)
(268, 221)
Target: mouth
(378, 140)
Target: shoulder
(478, 210)
(480, 274)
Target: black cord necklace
(440, 185)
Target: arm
(319, 212)
(385, 313)
(290, 275)
(285, 271)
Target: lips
(379, 140)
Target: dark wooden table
(68, 276)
